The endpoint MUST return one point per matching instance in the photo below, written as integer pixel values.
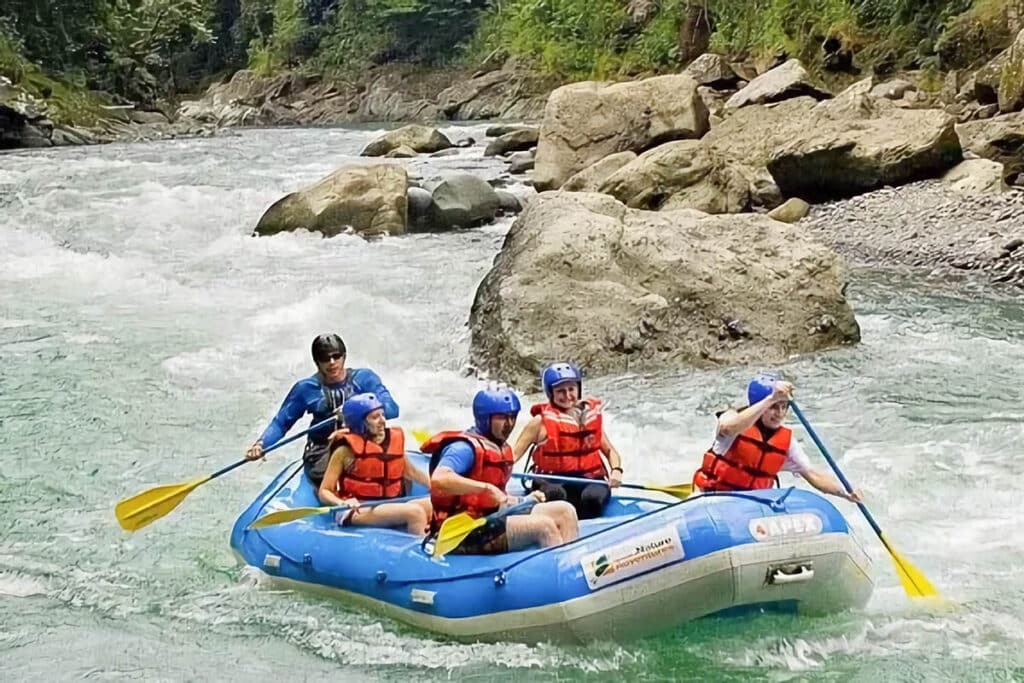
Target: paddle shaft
(571, 480)
(835, 467)
(279, 444)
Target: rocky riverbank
(28, 122)
(931, 226)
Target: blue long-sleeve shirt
(310, 396)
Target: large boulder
(420, 139)
(463, 200)
(512, 92)
(370, 200)
(747, 138)
(836, 154)
(585, 122)
(1000, 139)
(683, 174)
(582, 276)
(1001, 81)
(592, 177)
(781, 83)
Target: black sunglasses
(332, 357)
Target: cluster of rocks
(925, 225)
(25, 121)
(382, 198)
(396, 92)
(633, 173)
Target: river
(146, 338)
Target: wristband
(619, 469)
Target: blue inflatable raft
(648, 565)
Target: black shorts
(588, 499)
(489, 539)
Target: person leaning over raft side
(469, 472)
(568, 439)
(369, 463)
(322, 395)
(751, 446)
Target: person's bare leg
(413, 516)
(522, 531)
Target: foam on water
(146, 338)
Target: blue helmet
(355, 410)
(496, 401)
(556, 373)
(760, 388)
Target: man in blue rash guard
(322, 395)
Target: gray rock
(419, 202)
(781, 83)
(500, 129)
(591, 178)
(677, 175)
(585, 122)
(463, 201)
(977, 176)
(641, 290)
(370, 200)
(791, 211)
(422, 139)
(509, 203)
(712, 70)
(515, 141)
(520, 162)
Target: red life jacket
(750, 463)
(572, 448)
(491, 465)
(375, 472)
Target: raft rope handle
(269, 498)
(540, 551)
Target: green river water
(145, 338)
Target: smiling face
(332, 368)
(375, 424)
(565, 394)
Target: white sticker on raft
(636, 556)
(785, 526)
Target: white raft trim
(661, 599)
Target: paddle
(283, 516)
(677, 490)
(145, 508)
(455, 529)
(914, 582)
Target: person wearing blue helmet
(751, 446)
(469, 471)
(566, 437)
(369, 462)
(322, 395)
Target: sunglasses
(333, 357)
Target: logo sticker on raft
(785, 526)
(636, 556)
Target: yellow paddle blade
(914, 582)
(421, 435)
(282, 516)
(678, 490)
(147, 507)
(454, 531)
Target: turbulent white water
(145, 338)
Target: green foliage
(146, 49)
